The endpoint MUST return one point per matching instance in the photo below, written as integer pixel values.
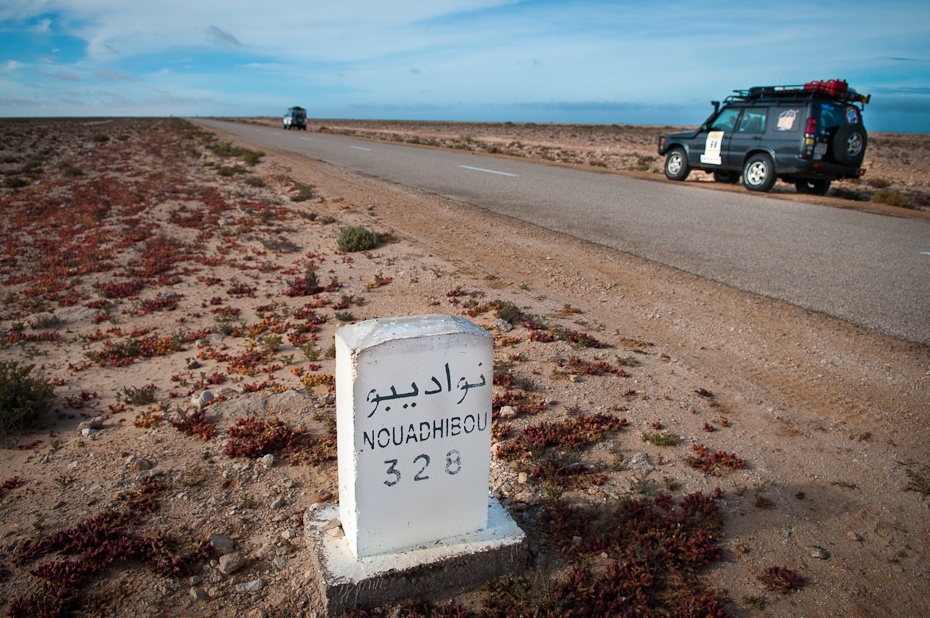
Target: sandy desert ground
(670, 446)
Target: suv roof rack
(836, 89)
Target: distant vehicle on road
(295, 117)
(807, 135)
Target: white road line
(925, 252)
(481, 169)
(360, 148)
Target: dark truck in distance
(295, 117)
(808, 135)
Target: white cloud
(11, 65)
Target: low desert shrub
(23, 397)
(304, 192)
(892, 197)
(878, 182)
(252, 157)
(356, 238)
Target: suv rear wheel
(849, 144)
(759, 173)
(813, 187)
(676, 164)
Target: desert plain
(670, 446)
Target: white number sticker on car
(711, 154)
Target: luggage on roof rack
(834, 88)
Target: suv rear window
(833, 115)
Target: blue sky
(580, 61)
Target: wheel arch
(759, 150)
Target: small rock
(230, 563)
(336, 532)
(199, 593)
(199, 401)
(820, 553)
(94, 423)
(141, 463)
(290, 533)
(88, 431)
(193, 364)
(507, 413)
(521, 478)
(279, 502)
(503, 325)
(639, 462)
(852, 536)
(222, 544)
(267, 460)
(264, 552)
(253, 586)
(280, 562)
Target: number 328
(421, 463)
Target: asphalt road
(868, 269)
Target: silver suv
(807, 135)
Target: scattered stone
(502, 325)
(87, 431)
(852, 536)
(639, 462)
(95, 423)
(279, 502)
(267, 460)
(141, 463)
(521, 478)
(280, 562)
(194, 364)
(199, 593)
(200, 401)
(230, 563)
(253, 586)
(290, 533)
(507, 413)
(336, 532)
(820, 553)
(222, 544)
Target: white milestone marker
(413, 408)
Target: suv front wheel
(676, 164)
(759, 173)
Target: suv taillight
(811, 129)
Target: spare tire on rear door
(849, 143)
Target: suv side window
(753, 121)
(725, 120)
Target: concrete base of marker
(443, 568)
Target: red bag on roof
(833, 87)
